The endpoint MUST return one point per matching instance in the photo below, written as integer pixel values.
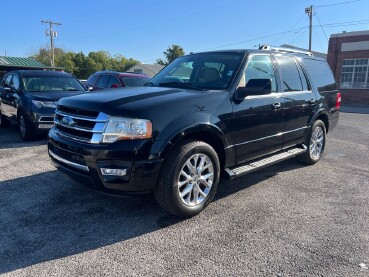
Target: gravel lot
(286, 220)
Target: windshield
(49, 83)
(205, 71)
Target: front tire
(24, 128)
(315, 142)
(188, 179)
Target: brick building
(348, 57)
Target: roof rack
(285, 49)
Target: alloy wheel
(195, 179)
(317, 142)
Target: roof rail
(285, 49)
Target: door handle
(311, 101)
(276, 106)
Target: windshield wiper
(72, 89)
(149, 84)
(181, 85)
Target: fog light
(45, 126)
(114, 171)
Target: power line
(336, 4)
(303, 32)
(249, 40)
(293, 26)
(320, 43)
(51, 33)
(321, 26)
(155, 24)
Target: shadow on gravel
(10, 138)
(48, 216)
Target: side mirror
(255, 87)
(7, 89)
(90, 88)
(114, 86)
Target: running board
(254, 165)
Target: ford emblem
(68, 121)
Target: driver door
(258, 119)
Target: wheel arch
(204, 132)
(323, 116)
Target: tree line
(82, 66)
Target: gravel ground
(286, 220)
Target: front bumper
(83, 162)
(41, 122)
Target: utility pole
(309, 11)
(51, 34)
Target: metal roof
(17, 61)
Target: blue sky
(143, 29)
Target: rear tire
(315, 143)
(25, 128)
(188, 178)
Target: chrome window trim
(276, 135)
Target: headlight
(43, 104)
(119, 128)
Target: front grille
(80, 125)
(78, 112)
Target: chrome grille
(80, 125)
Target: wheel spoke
(195, 196)
(203, 194)
(202, 163)
(195, 179)
(187, 190)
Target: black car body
(236, 110)
(29, 97)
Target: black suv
(206, 113)
(29, 97)
(114, 79)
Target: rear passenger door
(299, 100)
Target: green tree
(83, 66)
(171, 54)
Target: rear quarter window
(92, 79)
(320, 74)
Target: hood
(53, 96)
(114, 101)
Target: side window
(92, 80)
(290, 76)
(7, 80)
(103, 81)
(259, 67)
(15, 82)
(304, 79)
(113, 81)
(320, 74)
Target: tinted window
(92, 79)
(50, 83)
(113, 81)
(134, 82)
(320, 74)
(260, 67)
(290, 75)
(15, 82)
(8, 80)
(103, 81)
(304, 80)
(203, 71)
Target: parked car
(114, 79)
(205, 113)
(29, 97)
